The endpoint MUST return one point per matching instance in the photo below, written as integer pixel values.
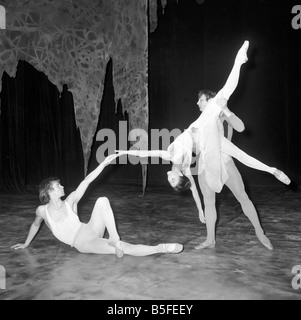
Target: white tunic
(209, 140)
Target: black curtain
(38, 133)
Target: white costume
(206, 137)
(181, 151)
(65, 229)
(209, 138)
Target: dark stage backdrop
(193, 47)
(38, 133)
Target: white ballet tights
(232, 150)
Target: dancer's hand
(121, 152)
(19, 246)
(223, 103)
(202, 217)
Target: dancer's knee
(101, 201)
(242, 197)
(209, 200)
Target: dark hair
(183, 185)
(44, 188)
(209, 94)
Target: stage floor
(240, 267)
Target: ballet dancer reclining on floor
(205, 137)
(62, 219)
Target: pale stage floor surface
(239, 267)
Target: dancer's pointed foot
(265, 241)
(118, 248)
(282, 177)
(172, 247)
(242, 53)
(205, 245)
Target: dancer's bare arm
(233, 120)
(32, 231)
(76, 195)
(165, 155)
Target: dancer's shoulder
(41, 211)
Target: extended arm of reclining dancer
(32, 232)
(165, 155)
(81, 189)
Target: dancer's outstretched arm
(32, 231)
(76, 195)
(165, 155)
(233, 120)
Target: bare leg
(236, 185)
(210, 212)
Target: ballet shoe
(118, 248)
(282, 177)
(242, 53)
(205, 245)
(172, 247)
(265, 241)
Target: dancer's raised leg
(233, 77)
(229, 148)
(103, 218)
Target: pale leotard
(67, 228)
(181, 151)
